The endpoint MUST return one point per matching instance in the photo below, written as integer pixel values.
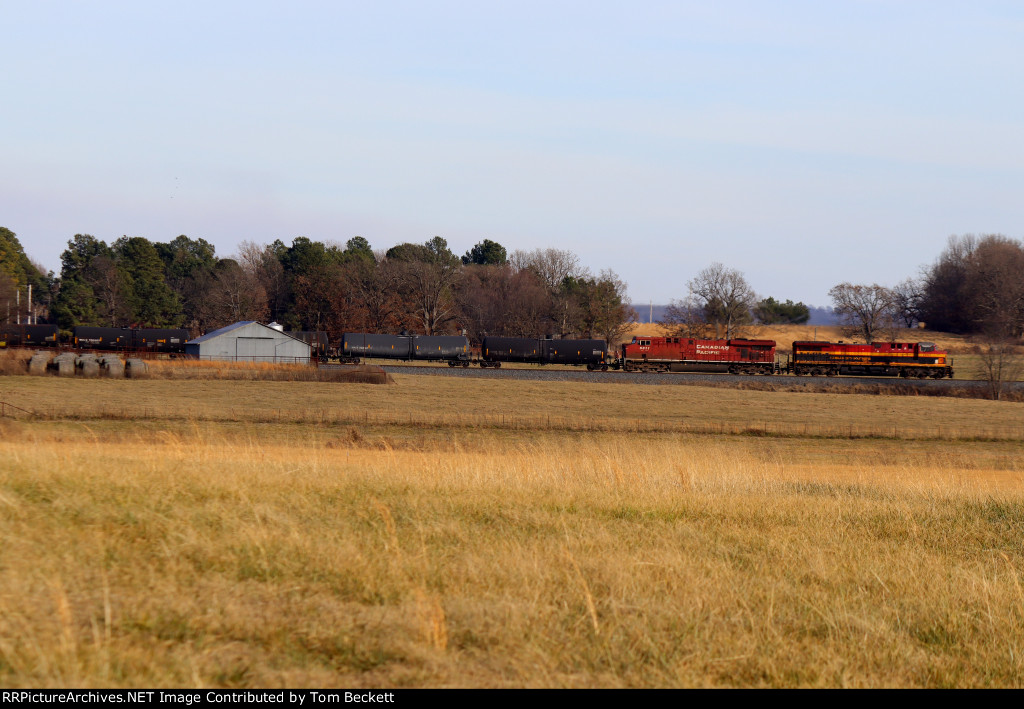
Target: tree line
(974, 287)
(312, 285)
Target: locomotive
(688, 354)
(891, 359)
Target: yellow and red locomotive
(921, 360)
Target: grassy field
(438, 532)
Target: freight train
(642, 354)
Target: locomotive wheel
(604, 367)
(497, 365)
(465, 364)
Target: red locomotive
(891, 359)
(687, 354)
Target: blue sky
(803, 143)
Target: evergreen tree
(151, 301)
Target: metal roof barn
(248, 341)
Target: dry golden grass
(14, 362)
(250, 533)
(190, 369)
(519, 405)
(206, 557)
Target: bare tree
(262, 262)
(1001, 365)
(976, 286)
(230, 294)
(906, 301)
(427, 274)
(995, 286)
(865, 311)
(553, 266)
(377, 287)
(725, 296)
(685, 318)
(601, 308)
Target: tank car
(316, 339)
(592, 353)
(101, 338)
(14, 335)
(431, 348)
(495, 350)
(452, 349)
(159, 340)
(688, 354)
(920, 360)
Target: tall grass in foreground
(200, 558)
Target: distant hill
(822, 316)
(819, 316)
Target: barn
(249, 341)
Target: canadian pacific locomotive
(687, 354)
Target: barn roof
(234, 326)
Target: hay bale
(112, 367)
(136, 368)
(39, 363)
(64, 364)
(87, 365)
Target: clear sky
(803, 143)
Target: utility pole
(29, 304)
(17, 305)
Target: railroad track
(620, 377)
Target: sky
(802, 143)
